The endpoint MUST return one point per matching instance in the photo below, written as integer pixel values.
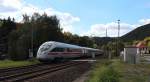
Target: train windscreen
(45, 47)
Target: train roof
(62, 45)
(91, 49)
(65, 45)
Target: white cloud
(29, 9)
(10, 8)
(10, 5)
(144, 21)
(66, 19)
(112, 29)
(15, 8)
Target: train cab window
(45, 47)
(58, 50)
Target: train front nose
(43, 51)
(41, 55)
(44, 57)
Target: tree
(86, 41)
(35, 30)
(6, 27)
(113, 48)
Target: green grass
(104, 72)
(117, 71)
(11, 63)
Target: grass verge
(11, 63)
(117, 71)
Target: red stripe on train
(62, 53)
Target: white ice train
(52, 50)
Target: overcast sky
(84, 17)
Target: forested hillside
(137, 34)
(100, 41)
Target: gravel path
(83, 77)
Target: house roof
(141, 44)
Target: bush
(104, 72)
(108, 74)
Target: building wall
(131, 55)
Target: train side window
(58, 50)
(67, 50)
(75, 50)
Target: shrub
(104, 72)
(108, 74)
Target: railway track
(2, 70)
(29, 73)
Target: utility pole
(32, 33)
(31, 49)
(118, 28)
(118, 50)
(106, 32)
(32, 41)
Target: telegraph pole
(118, 50)
(32, 42)
(32, 33)
(118, 28)
(106, 32)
